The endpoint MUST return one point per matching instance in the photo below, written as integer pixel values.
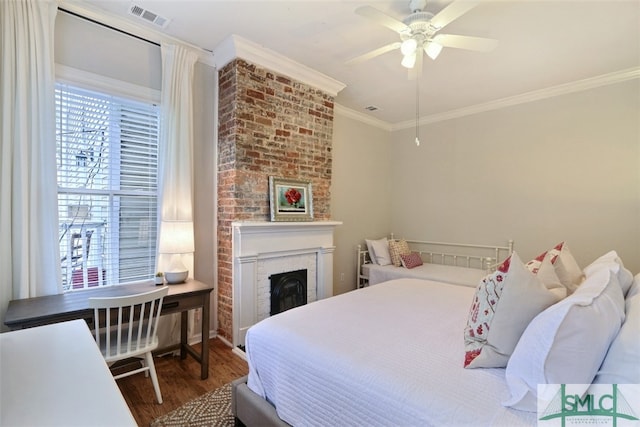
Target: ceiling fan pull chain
(417, 108)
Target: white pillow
(379, 251)
(566, 343)
(566, 267)
(372, 257)
(622, 363)
(504, 303)
(612, 261)
(635, 287)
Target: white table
(54, 375)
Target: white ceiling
(542, 44)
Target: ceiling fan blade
(382, 18)
(478, 44)
(453, 12)
(374, 53)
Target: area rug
(210, 409)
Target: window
(107, 162)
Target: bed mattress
(390, 355)
(437, 272)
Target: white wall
(360, 192)
(564, 168)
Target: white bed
(394, 354)
(397, 376)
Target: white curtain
(176, 156)
(29, 252)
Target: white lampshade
(176, 237)
(433, 49)
(409, 60)
(408, 46)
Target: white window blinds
(107, 154)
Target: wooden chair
(126, 327)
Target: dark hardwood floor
(180, 381)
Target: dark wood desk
(30, 312)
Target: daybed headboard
(485, 257)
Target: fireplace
(262, 250)
(288, 290)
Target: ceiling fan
(419, 32)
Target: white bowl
(174, 277)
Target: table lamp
(176, 238)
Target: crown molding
(235, 46)
(119, 23)
(536, 95)
(362, 117)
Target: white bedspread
(389, 355)
(437, 272)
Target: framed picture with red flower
(290, 199)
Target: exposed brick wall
(269, 125)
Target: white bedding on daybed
(438, 272)
(390, 354)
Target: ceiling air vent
(148, 16)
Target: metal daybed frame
(484, 257)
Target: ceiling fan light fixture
(433, 49)
(420, 32)
(409, 60)
(408, 46)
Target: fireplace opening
(288, 290)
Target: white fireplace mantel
(259, 241)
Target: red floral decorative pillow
(411, 260)
(504, 303)
(535, 264)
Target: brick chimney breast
(269, 125)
